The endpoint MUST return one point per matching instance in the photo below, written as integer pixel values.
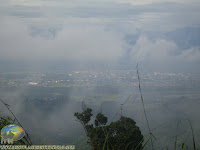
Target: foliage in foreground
(120, 135)
(4, 121)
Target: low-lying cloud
(98, 32)
(71, 43)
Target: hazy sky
(159, 34)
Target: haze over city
(56, 55)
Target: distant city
(94, 78)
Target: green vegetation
(120, 135)
(6, 120)
(166, 102)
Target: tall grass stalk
(193, 139)
(15, 118)
(175, 143)
(144, 108)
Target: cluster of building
(115, 77)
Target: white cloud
(162, 52)
(81, 42)
(155, 51)
(190, 55)
(94, 31)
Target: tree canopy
(120, 135)
(6, 120)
